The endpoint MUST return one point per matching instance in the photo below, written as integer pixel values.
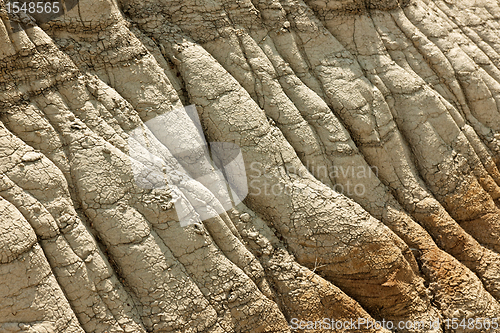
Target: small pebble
(253, 235)
(31, 156)
(245, 217)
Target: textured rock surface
(370, 133)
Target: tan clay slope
(377, 122)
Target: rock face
(352, 171)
